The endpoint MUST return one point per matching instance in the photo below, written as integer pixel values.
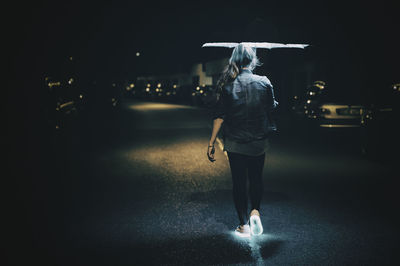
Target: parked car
(324, 111)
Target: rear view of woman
(244, 104)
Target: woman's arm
(270, 103)
(217, 123)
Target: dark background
(106, 36)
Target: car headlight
(324, 111)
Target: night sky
(169, 34)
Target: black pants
(243, 168)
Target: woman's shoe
(256, 227)
(243, 230)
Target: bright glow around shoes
(243, 232)
(256, 227)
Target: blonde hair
(242, 56)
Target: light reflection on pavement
(154, 194)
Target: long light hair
(242, 56)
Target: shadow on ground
(208, 250)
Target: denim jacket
(245, 106)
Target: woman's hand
(210, 153)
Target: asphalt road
(137, 189)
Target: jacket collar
(246, 71)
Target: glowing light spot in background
(396, 87)
(51, 84)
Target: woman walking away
(242, 110)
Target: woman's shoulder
(263, 80)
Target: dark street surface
(137, 189)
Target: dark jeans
(243, 168)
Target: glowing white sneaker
(256, 227)
(243, 230)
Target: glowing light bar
(66, 104)
(337, 126)
(157, 106)
(264, 45)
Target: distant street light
(137, 54)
